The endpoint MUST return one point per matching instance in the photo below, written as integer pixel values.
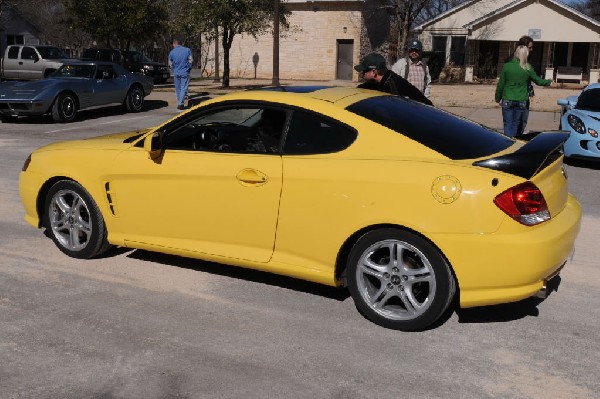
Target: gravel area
(482, 96)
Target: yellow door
(223, 204)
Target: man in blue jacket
(180, 61)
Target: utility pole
(276, 44)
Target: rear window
(448, 134)
(51, 53)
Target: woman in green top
(511, 91)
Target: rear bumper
(514, 262)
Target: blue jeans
(181, 87)
(513, 115)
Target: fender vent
(110, 198)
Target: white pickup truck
(25, 62)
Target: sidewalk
(472, 101)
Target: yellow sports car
(405, 204)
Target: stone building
(325, 40)
(479, 35)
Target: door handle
(251, 177)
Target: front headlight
(148, 67)
(576, 123)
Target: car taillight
(525, 203)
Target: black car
(103, 54)
(133, 61)
(138, 62)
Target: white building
(481, 34)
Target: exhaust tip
(543, 292)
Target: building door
(345, 51)
(561, 52)
(535, 57)
(488, 59)
(579, 56)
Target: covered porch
(576, 62)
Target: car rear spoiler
(528, 160)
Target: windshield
(75, 71)
(448, 134)
(51, 53)
(138, 57)
(589, 100)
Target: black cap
(371, 61)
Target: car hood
(22, 87)
(116, 141)
(156, 64)
(29, 87)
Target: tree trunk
(227, 42)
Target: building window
(451, 48)
(439, 46)
(457, 50)
(15, 39)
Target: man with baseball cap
(413, 69)
(377, 76)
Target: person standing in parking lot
(413, 69)
(512, 91)
(377, 76)
(180, 61)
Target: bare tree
(49, 17)
(407, 14)
(588, 7)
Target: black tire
(64, 108)
(398, 280)
(134, 101)
(74, 222)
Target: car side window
(28, 53)
(13, 52)
(311, 133)
(236, 129)
(105, 72)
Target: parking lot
(135, 324)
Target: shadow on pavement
(581, 163)
(149, 105)
(507, 311)
(338, 294)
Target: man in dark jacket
(378, 77)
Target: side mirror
(562, 101)
(152, 145)
(36, 58)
